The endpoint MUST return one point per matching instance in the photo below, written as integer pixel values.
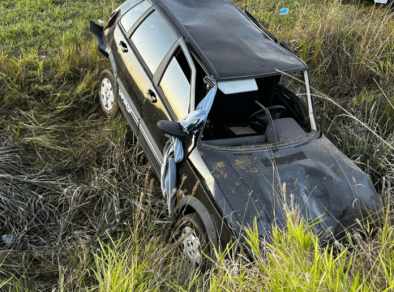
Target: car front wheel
(193, 241)
(108, 100)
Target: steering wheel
(260, 116)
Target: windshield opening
(236, 119)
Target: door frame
(156, 78)
(166, 61)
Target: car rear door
(133, 81)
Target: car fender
(205, 217)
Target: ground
(78, 198)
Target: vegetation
(79, 204)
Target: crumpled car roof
(227, 41)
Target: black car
(259, 147)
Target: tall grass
(78, 193)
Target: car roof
(227, 41)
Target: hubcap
(191, 245)
(107, 94)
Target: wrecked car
(225, 114)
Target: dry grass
(77, 192)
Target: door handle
(152, 96)
(123, 47)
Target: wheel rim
(107, 94)
(192, 246)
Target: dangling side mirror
(174, 129)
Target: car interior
(237, 120)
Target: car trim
(262, 75)
(162, 14)
(310, 106)
(131, 7)
(313, 135)
(260, 27)
(166, 104)
(148, 138)
(199, 61)
(127, 115)
(192, 99)
(128, 102)
(114, 70)
(165, 62)
(139, 21)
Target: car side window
(153, 39)
(133, 15)
(126, 5)
(175, 84)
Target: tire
(193, 240)
(107, 94)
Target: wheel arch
(189, 205)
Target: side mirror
(174, 129)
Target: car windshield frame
(314, 133)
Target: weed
(73, 183)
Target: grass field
(80, 198)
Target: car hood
(316, 179)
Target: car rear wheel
(107, 93)
(193, 240)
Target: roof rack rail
(255, 21)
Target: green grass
(103, 194)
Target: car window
(153, 39)
(126, 5)
(175, 84)
(134, 14)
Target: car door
(173, 84)
(154, 40)
(132, 79)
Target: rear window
(153, 39)
(134, 14)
